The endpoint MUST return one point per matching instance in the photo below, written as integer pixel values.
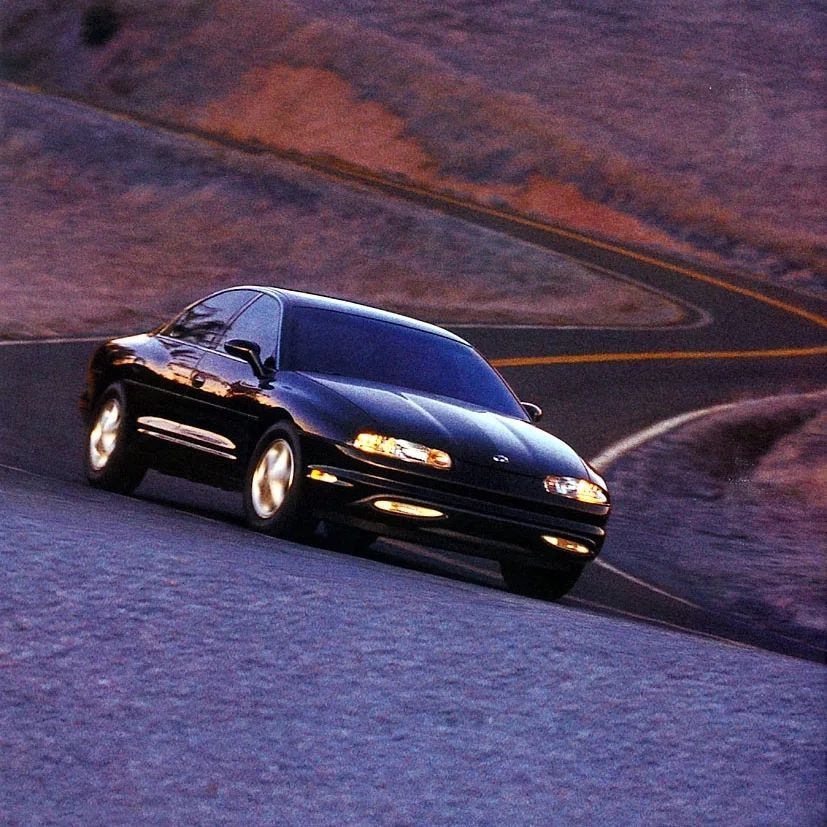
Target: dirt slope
(658, 123)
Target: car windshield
(337, 343)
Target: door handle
(198, 380)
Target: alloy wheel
(103, 438)
(272, 479)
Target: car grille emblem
(500, 458)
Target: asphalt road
(161, 668)
(596, 387)
(739, 338)
(166, 665)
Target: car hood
(469, 434)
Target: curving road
(596, 387)
(738, 338)
(159, 662)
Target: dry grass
(108, 227)
(674, 118)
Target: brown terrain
(110, 226)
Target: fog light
(566, 545)
(407, 509)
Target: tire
(274, 486)
(108, 461)
(544, 584)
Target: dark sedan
(370, 423)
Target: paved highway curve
(740, 338)
(596, 386)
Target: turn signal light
(322, 476)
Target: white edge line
(613, 453)
(648, 586)
(665, 624)
(22, 471)
(449, 325)
(78, 340)
(604, 460)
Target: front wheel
(545, 584)
(274, 484)
(108, 461)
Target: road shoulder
(728, 511)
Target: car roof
(296, 298)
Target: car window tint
(359, 347)
(201, 323)
(258, 323)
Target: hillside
(109, 226)
(655, 123)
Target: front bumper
(474, 522)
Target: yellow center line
(603, 244)
(580, 358)
(338, 167)
(696, 275)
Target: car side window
(203, 322)
(258, 323)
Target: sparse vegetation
(116, 227)
(750, 487)
(100, 24)
(672, 114)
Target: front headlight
(583, 491)
(403, 449)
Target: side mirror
(250, 352)
(535, 412)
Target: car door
(232, 394)
(170, 404)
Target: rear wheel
(108, 461)
(274, 484)
(545, 584)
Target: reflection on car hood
(467, 433)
